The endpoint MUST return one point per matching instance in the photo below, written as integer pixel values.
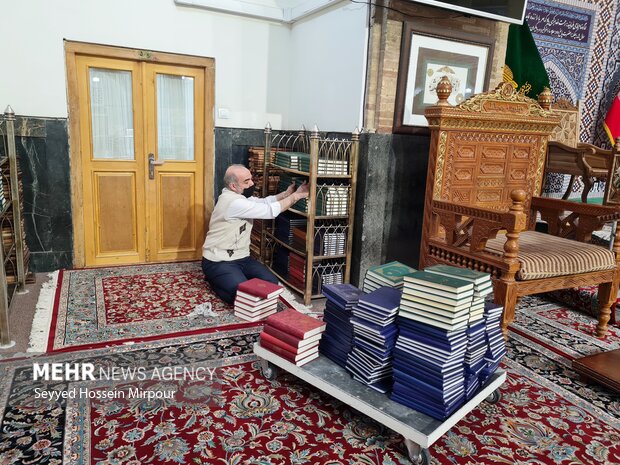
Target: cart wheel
(270, 371)
(417, 455)
(494, 397)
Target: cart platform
(419, 430)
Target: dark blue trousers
(225, 277)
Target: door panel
(177, 228)
(136, 211)
(115, 197)
(112, 141)
(175, 107)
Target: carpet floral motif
(33, 430)
(547, 415)
(143, 297)
(112, 305)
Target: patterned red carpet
(546, 414)
(106, 306)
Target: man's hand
(302, 191)
(289, 190)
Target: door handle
(152, 164)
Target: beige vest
(227, 239)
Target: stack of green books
(293, 160)
(389, 274)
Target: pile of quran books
(256, 299)
(389, 274)
(338, 338)
(374, 336)
(293, 336)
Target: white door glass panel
(175, 117)
(112, 114)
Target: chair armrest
(593, 149)
(582, 220)
(474, 226)
(554, 145)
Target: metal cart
(418, 430)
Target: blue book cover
(429, 399)
(384, 298)
(345, 293)
(423, 328)
(336, 342)
(338, 357)
(378, 351)
(336, 307)
(380, 330)
(438, 414)
(438, 380)
(439, 366)
(445, 392)
(455, 344)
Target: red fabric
(612, 120)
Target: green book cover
(476, 277)
(392, 271)
(448, 283)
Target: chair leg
(569, 189)
(587, 186)
(506, 294)
(607, 295)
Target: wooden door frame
(72, 49)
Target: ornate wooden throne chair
(484, 179)
(566, 155)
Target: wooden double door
(145, 152)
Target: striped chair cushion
(544, 256)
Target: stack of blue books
(474, 357)
(284, 225)
(374, 336)
(389, 274)
(337, 339)
(429, 374)
(494, 338)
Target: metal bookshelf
(13, 250)
(333, 216)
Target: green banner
(524, 68)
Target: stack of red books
(256, 299)
(293, 336)
(297, 271)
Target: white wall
(327, 69)
(252, 57)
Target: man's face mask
(248, 191)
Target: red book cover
(266, 337)
(296, 323)
(290, 339)
(260, 288)
(286, 355)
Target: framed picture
(426, 56)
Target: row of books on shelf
(329, 239)
(292, 267)
(332, 199)
(301, 162)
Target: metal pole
(15, 200)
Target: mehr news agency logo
(88, 372)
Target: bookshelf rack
(305, 259)
(14, 253)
